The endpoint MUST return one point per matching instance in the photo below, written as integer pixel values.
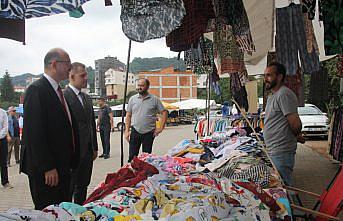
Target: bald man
(50, 143)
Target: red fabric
(124, 177)
(332, 199)
(261, 194)
(194, 24)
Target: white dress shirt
(55, 85)
(77, 92)
(3, 124)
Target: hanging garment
(233, 13)
(12, 29)
(309, 7)
(340, 65)
(194, 24)
(311, 41)
(291, 38)
(108, 3)
(227, 56)
(239, 92)
(319, 87)
(333, 26)
(143, 20)
(294, 82)
(77, 13)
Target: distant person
(140, 122)
(4, 138)
(105, 125)
(81, 107)
(226, 109)
(14, 132)
(282, 124)
(50, 148)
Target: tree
(6, 89)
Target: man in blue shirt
(14, 132)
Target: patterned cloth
(194, 24)
(143, 20)
(233, 13)
(21, 9)
(291, 39)
(227, 55)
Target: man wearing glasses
(50, 151)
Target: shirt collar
(53, 83)
(76, 91)
(140, 97)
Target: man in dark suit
(50, 143)
(81, 106)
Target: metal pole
(209, 104)
(123, 109)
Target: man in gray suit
(81, 106)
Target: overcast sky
(95, 35)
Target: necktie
(64, 105)
(83, 102)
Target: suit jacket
(47, 135)
(84, 116)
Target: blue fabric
(10, 126)
(21, 9)
(284, 163)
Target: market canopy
(118, 107)
(193, 104)
(169, 106)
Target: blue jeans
(284, 163)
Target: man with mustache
(141, 119)
(282, 122)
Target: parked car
(314, 121)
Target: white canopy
(118, 107)
(193, 104)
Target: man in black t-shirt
(105, 126)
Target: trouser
(105, 140)
(137, 139)
(14, 144)
(284, 163)
(291, 39)
(3, 161)
(81, 178)
(44, 195)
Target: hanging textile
(291, 38)
(309, 7)
(333, 26)
(194, 24)
(12, 29)
(294, 82)
(238, 91)
(340, 65)
(233, 13)
(227, 56)
(311, 42)
(319, 86)
(336, 148)
(108, 3)
(143, 20)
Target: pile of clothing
(210, 179)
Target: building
(201, 81)
(29, 80)
(19, 89)
(115, 83)
(101, 66)
(171, 85)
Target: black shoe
(101, 156)
(106, 156)
(17, 162)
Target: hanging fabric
(143, 20)
(340, 65)
(319, 86)
(311, 42)
(12, 29)
(194, 24)
(309, 7)
(294, 82)
(108, 3)
(291, 38)
(77, 13)
(227, 55)
(336, 148)
(238, 91)
(234, 14)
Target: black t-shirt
(104, 117)
(15, 126)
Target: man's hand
(127, 136)
(95, 155)
(51, 178)
(9, 138)
(301, 139)
(157, 132)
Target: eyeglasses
(62, 62)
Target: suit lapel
(75, 102)
(53, 94)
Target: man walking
(141, 118)
(105, 126)
(50, 148)
(282, 122)
(4, 149)
(81, 107)
(14, 132)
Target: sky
(95, 35)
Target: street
(312, 171)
